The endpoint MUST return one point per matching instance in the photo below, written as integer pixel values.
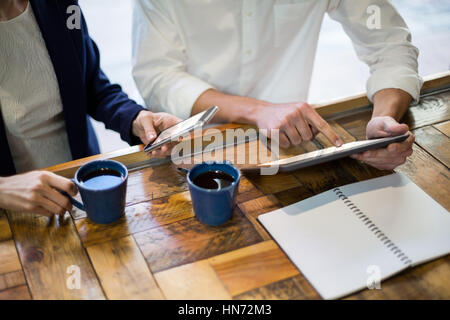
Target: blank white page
(411, 219)
(331, 247)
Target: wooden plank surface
(138, 217)
(47, 249)
(11, 274)
(122, 270)
(443, 127)
(253, 208)
(5, 230)
(429, 174)
(160, 250)
(189, 240)
(252, 267)
(430, 110)
(193, 281)
(15, 293)
(435, 143)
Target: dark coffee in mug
(215, 180)
(102, 179)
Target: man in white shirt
(254, 59)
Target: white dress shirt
(30, 100)
(258, 48)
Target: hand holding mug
(36, 192)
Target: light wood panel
(252, 267)
(11, 274)
(122, 270)
(443, 127)
(434, 142)
(429, 174)
(193, 281)
(5, 231)
(16, 293)
(47, 249)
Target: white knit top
(30, 101)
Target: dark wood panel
(274, 183)
(323, 177)
(189, 240)
(138, 217)
(253, 208)
(294, 288)
(286, 289)
(293, 195)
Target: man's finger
(292, 134)
(284, 141)
(393, 127)
(320, 124)
(303, 127)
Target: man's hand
(36, 192)
(297, 122)
(148, 125)
(394, 154)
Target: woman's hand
(148, 125)
(36, 192)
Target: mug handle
(76, 203)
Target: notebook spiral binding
(372, 227)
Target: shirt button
(250, 14)
(249, 52)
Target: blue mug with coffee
(103, 186)
(213, 187)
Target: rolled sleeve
(182, 95)
(397, 78)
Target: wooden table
(160, 251)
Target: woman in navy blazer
(85, 91)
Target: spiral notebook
(344, 239)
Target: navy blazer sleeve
(107, 102)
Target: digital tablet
(328, 154)
(182, 128)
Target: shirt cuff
(183, 94)
(396, 79)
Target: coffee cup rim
(80, 185)
(191, 183)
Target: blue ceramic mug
(104, 195)
(213, 206)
